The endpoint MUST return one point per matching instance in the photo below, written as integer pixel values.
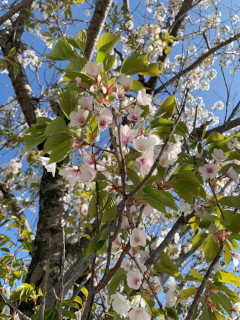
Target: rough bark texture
(97, 23)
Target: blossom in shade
(125, 224)
(171, 284)
(6, 310)
(236, 307)
(218, 155)
(139, 314)
(93, 68)
(80, 84)
(232, 174)
(143, 143)
(86, 102)
(137, 238)
(155, 284)
(134, 114)
(170, 155)
(209, 171)
(236, 257)
(120, 304)
(78, 118)
(87, 159)
(126, 264)
(71, 174)
(147, 210)
(146, 161)
(127, 81)
(126, 134)
(143, 98)
(116, 244)
(87, 173)
(120, 93)
(134, 279)
(78, 315)
(105, 119)
(138, 302)
(171, 298)
(234, 143)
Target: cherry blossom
(171, 298)
(78, 118)
(105, 119)
(93, 68)
(127, 81)
(137, 238)
(87, 173)
(146, 161)
(232, 174)
(72, 174)
(236, 257)
(126, 264)
(120, 93)
(218, 155)
(143, 98)
(138, 302)
(236, 307)
(116, 244)
(209, 171)
(134, 114)
(78, 315)
(143, 143)
(170, 154)
(171, 284)
(6, 310)
(120, 304)
(86, 102)
(134, 279)
(147, 210)
(139, 314)
(126, 134)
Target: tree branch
(13, 10)
(197, 62)
(96, 25)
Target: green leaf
(137, 85)
(164, 197)
(110, 210)
(186, 293)
(210, 249)
(227, 253)
(75, 67)
(197, 275)
(225, 302)
(68, 314)
(62, 51)
(227, 277)
(205, 315)
(213, 136)
(107, 42)
(133, 176)
(102, 198)
(116, 280)
(168, 104)
(230, 201)
(54, 140)
(139, 64)
(108, 62)
(167, 266)
(79, 41)
(55, 126)
(60, 152)
(51, 314)
(68, 101)
(172, 313)
(33, 137)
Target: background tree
(145, 188)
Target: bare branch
(197, 62)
